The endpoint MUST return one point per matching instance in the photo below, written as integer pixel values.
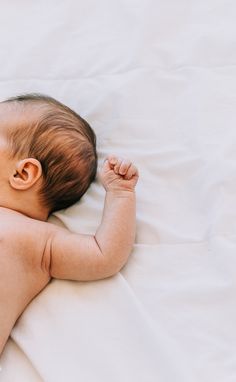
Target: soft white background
(157, 81)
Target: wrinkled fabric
(156, 80)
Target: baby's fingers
(112, 159)
(121, 166)
(131, 172)
(124, 167)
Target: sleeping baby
(48, 160)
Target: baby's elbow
(115, 265)
(109, 272)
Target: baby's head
(60, 144)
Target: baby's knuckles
(113, 182)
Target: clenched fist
(118, 174)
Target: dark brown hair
(63, 142)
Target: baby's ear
(27, 172)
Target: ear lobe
(26, 174)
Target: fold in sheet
(156, 80)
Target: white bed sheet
(156, 80)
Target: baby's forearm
(116, 233)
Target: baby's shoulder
(26, 240)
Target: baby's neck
(39, 215)
(28, 206)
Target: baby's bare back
(24, 265)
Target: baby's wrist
(122, 193)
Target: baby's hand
(118, 174)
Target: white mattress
(156, 80)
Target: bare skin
(32, 251)
(23, 268)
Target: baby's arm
(91, 257)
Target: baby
(48, 161)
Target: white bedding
(156, 80)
